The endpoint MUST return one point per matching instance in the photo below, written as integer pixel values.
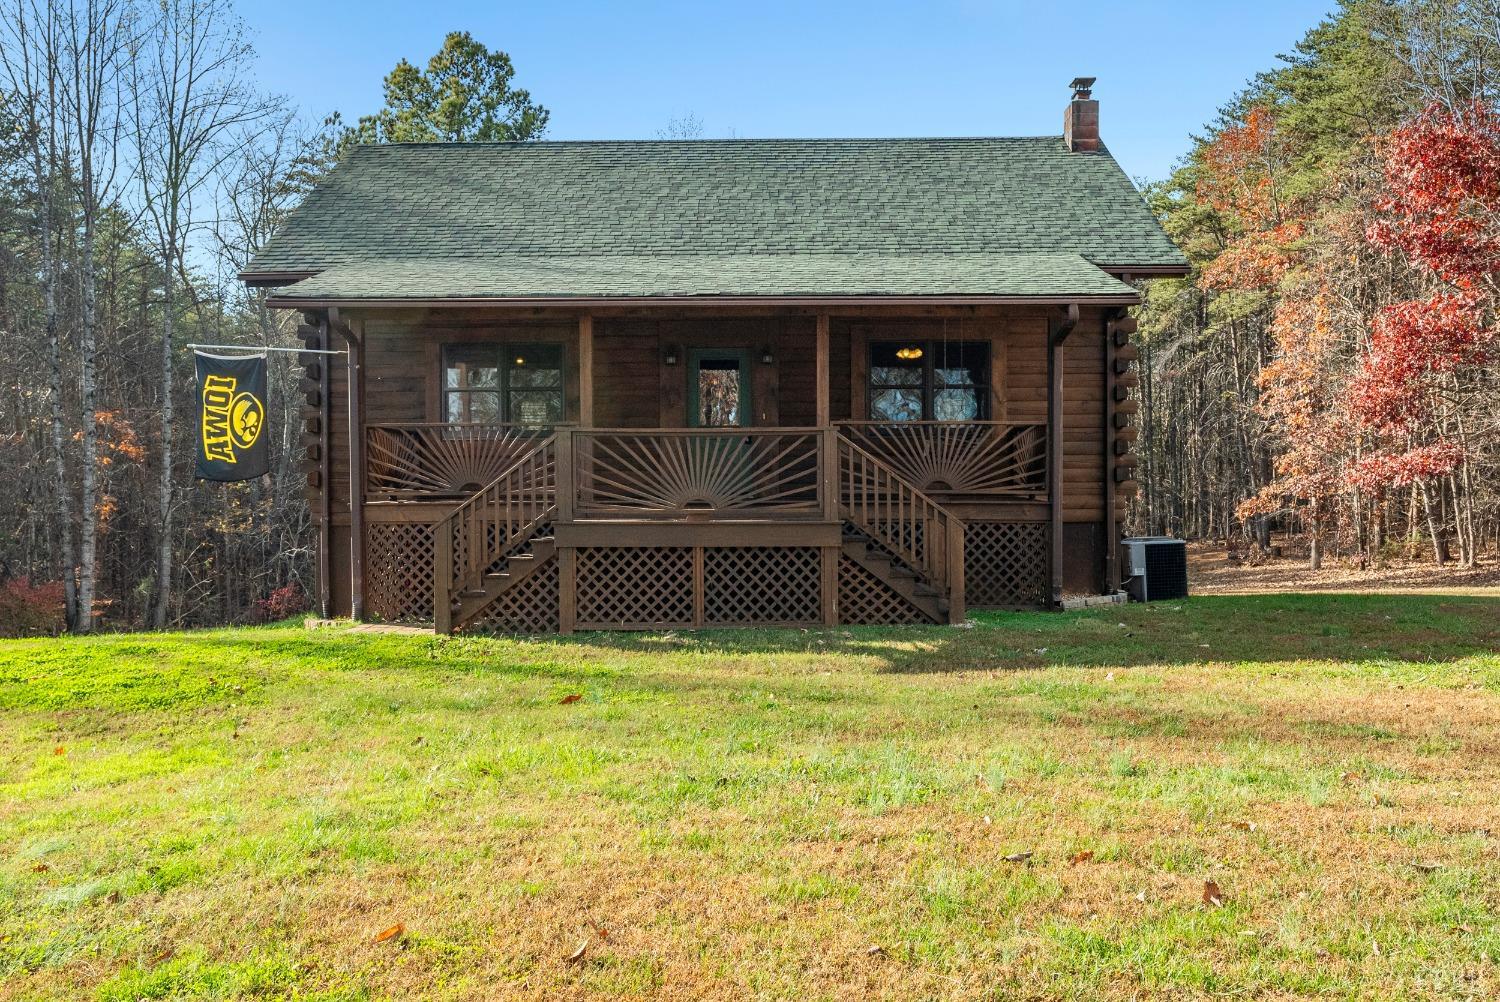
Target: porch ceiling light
(909, 354)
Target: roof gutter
(1125, 272)
(312, 303)
(261, 279)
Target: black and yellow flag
(232, 443)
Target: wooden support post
(957, 612)
(442, 581)
(1057, 333)
(828, 488)
(355, 369)
(586, 371)
(567, 589)
(828, 586)
(566, 472)
(822, 390)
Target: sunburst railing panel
(994, 458)
(405, 461)
(708, 472)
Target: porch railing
(698, 472)
(918, 531)
(426, 460)
(979, 458)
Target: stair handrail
(519, 508)
(941, 559)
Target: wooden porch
(500, 527)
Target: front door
(718, 388)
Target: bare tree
(30, 59)
(688, 126)
(189, 95)
(93, 40)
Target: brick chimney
(1081, 120)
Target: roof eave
(1095, 299)
(271, 279)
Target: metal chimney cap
(1081, 87)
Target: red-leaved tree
(1429, 363)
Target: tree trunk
(1439, 542)
(89, 531)
(63, 524)
(164, 484)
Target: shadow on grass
(1262, 628)
(1256, 628)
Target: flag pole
(254, 348)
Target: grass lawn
(806, 815)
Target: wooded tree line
(140, 168)
(1329, 367)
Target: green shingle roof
(678, 275)
(820, 217)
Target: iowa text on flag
(231, 417)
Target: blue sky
(772, 68)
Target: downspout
(1057, 333)
(355, 363)
(324, 468)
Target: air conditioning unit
(1157, 567)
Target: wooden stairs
(897, 576)
(466, 604)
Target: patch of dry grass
(239, 814)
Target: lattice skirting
(398, 572)
(634, 588)
(865, 600)
(761, 585)
(528, 607)
(1005, 564)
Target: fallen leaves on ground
(1080, 857)
(576, 957)
(1212, 895)
(390, 933)
(571, 697)
(1019, 857)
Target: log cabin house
(675, 384)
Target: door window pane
(719, 393)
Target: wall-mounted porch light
(766, 357)
(670, 356)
